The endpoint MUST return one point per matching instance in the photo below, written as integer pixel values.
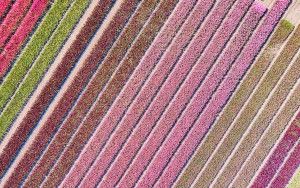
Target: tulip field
(150, 93)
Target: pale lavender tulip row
(211, 53)
(226, 89)
(137, 80)
(274, 162)
(147, 93)
(200, 99)
(288, 169)
(170, 86)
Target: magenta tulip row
(288, 169)
(4, 7)
(16, 41)
(274, 162)
(14, 16)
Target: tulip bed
(4, 8)
(201, 96)
(243, 121)
(148, 93)
(31, 51)
(235, 104)
(221, 97)
(288, 169)
(114, 86)
(12, 20)
(143, 70)
(16, 41)
(276, 128)
(68, 128)
(260, 123)
(40, 65)
(33, 77)
(123, 131)
(275, 161)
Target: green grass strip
(41, 64)
(32, 50)
(295, 181)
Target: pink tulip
(288, 169)
(110, 121)
(14, 16)
(16, 41)
(276, 159)
(3, 7)
(220, 98)
(201, 96)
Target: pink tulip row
(268, 171)
(288, 169)
(165, 94)
(186, 92)
(16, 41)
(143, 70)
(224, 92)
(153, 83)
(3, 8)
(10, 23)
(200, 99)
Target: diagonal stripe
(8, 115)
(114, 86)
(234, 105)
